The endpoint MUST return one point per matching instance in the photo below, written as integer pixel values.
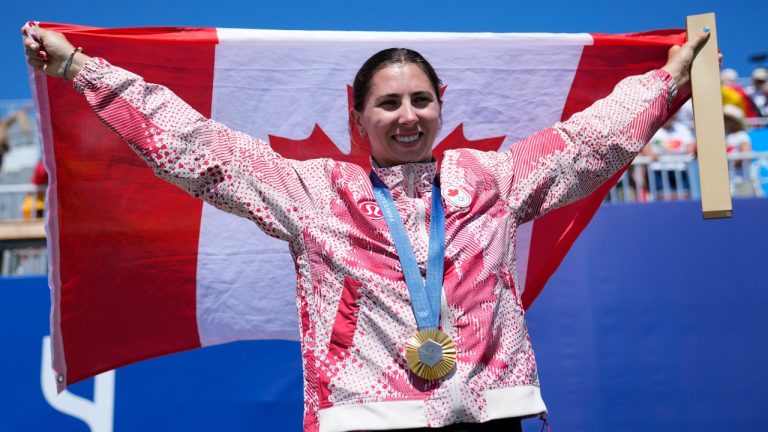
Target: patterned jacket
(353, 303)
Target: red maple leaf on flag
(318, 144)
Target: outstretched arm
(570, 160)
(228, 169)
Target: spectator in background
(729, 77)
(684, 115)
(758, 90)
(764, 93)
(34, 203)
(21, 118)
(736, 141)
(675, 138)
(736, 138)
(4, 144)
(734, 94)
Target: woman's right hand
(49, 51)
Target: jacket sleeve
(230, 170)
(568, 161)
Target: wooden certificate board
(708, 118)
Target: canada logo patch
(371, 209)
(456, 196)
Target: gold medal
(431, 354)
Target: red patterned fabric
(352, 300)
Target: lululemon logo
(371, 209)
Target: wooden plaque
(708, 118)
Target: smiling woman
(401, 115)
(406, 275)
(397, 106)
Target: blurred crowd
(740, 105)
(673, 147)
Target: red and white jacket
(352, 300)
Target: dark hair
(384, 58)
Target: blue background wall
(655, 321)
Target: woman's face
(401, 115)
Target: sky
(741, 28)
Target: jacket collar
(412, 179)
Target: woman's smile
(407, 139)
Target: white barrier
(676, 177)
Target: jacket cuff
(93, 71)
(666, 78)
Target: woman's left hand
(680, 58)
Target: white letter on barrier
(97, 414)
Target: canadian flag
(140, 269)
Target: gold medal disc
(431, 354)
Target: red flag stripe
(597, 75)
(106, 320)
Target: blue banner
(655, 321)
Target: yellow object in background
(33, 206)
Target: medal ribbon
(425, 297)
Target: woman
(737, 140)
(736, 137)
(405, 275)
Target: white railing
(676, 177)
(12, 201)
(25, 260)
(756, 122)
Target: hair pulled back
(385, 58)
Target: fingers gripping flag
(141, 269)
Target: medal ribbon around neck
(425, 297)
